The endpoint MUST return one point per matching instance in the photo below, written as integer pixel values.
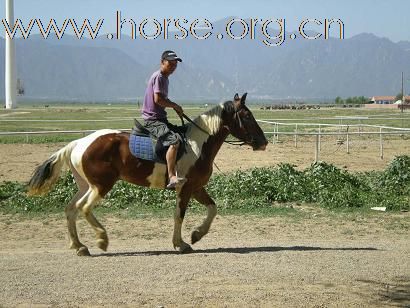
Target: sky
(383, 18)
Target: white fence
(343, 130)
(314, 129)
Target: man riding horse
(155, 117)
(99, 160)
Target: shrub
(396, 178)
(321, 183)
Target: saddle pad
(142, 147)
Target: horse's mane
(211, 120)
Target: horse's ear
(243, 98)
(236, 97)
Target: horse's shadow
(234, 250)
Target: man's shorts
(163, 131)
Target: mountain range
(89, 70)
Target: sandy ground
(17, 161)
(318, 259)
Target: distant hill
(111, 70)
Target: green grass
(260, 191)
(39, 139)
(120, 116)
(71, 117)
(141, 211)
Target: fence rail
(382, 131)
(48, 132)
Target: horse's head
(242, 124)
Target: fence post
(274, 133)
(381, 143)
(317, 148)
(277, 132)
(320, 137)
(347, 140)
(296, 135)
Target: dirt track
(313, 260)
(17, 161)
(316, 261)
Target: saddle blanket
(142, 147)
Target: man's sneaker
(176, 182)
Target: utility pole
(10, 59)
(403, 96)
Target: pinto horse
(102, 158)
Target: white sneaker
(177, 182)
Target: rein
(184, 116)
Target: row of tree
(355, 100)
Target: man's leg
(171, 157)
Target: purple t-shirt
(158, 83)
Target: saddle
(145, 146)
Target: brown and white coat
(99, 160)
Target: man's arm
(165, 102)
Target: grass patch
(65, 116)
(39, 139)
(260, 191)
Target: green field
(58, 116)
(322, 184)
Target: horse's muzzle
(260, 146)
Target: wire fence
(343, 136)
(326, 139)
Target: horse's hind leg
(202, 197)
(71, 212)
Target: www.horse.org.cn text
(271, 32)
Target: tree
(399, 97)
(338, 100)
(363, 100)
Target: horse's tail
(47, 174)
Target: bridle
(236, 117)
(235, 142)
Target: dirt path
(316, 261)
(320, 260)
(17, 161)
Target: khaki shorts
(164, 131)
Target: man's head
(169, 62)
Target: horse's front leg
(202, 197)
(183, 196)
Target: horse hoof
(83, 252)
(186, 249)
(195, 236)
(102, 244)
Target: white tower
(10, 74)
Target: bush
(321, 183)
(396, 177)
(332, 187)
